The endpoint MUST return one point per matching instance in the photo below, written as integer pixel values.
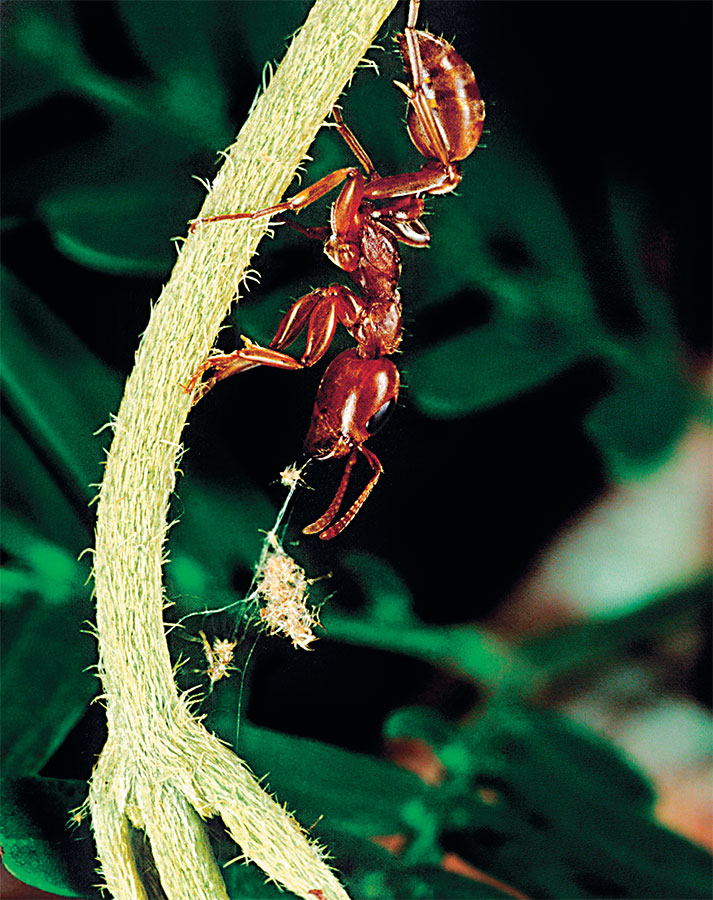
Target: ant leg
(316, 232)
(322, 325)
(433, 178)
(402, 216)
(353, 144)
(333, 507)
(413, 14)
(294, 204)
(346, 226)
(342, 523)
(226, 364)
(295, 320)
(322, 308)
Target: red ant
(360, 386)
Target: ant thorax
(379, 269)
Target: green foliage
(545, 318)
(45, 688)
(40, 845)
(90, 212)
(525, 791)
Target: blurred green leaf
(38, 846)
(64, 395)
(42, 38)
(45, 687)
(468, 651)
(420, 723)
(48, 569)
(487, 366)
(506, 233)
(637, 423)
(374, 872)
(165, 40)
(586, 646)
(594, 830)
(631, 217)
(59, 398)
(389, 598)
(548, 741)
(430, 882)
(23, 87)
(96, 225)
(39, 501)
(388, 623)
(528, 792)
(112, 201)
(355, 792)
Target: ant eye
(380, 416)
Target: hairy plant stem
(160, 770)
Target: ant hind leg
(352, 142)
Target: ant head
(354, 400)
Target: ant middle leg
(315, 232)
(320, 311)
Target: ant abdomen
(449, 86)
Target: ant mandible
(371, 214)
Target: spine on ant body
(452, 92)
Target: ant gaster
(371, 214)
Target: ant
(369, 217)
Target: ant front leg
(331, 512)
(226, 364)
(314, 232)
(319, 311)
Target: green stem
(161, 771)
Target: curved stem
(156, 749)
